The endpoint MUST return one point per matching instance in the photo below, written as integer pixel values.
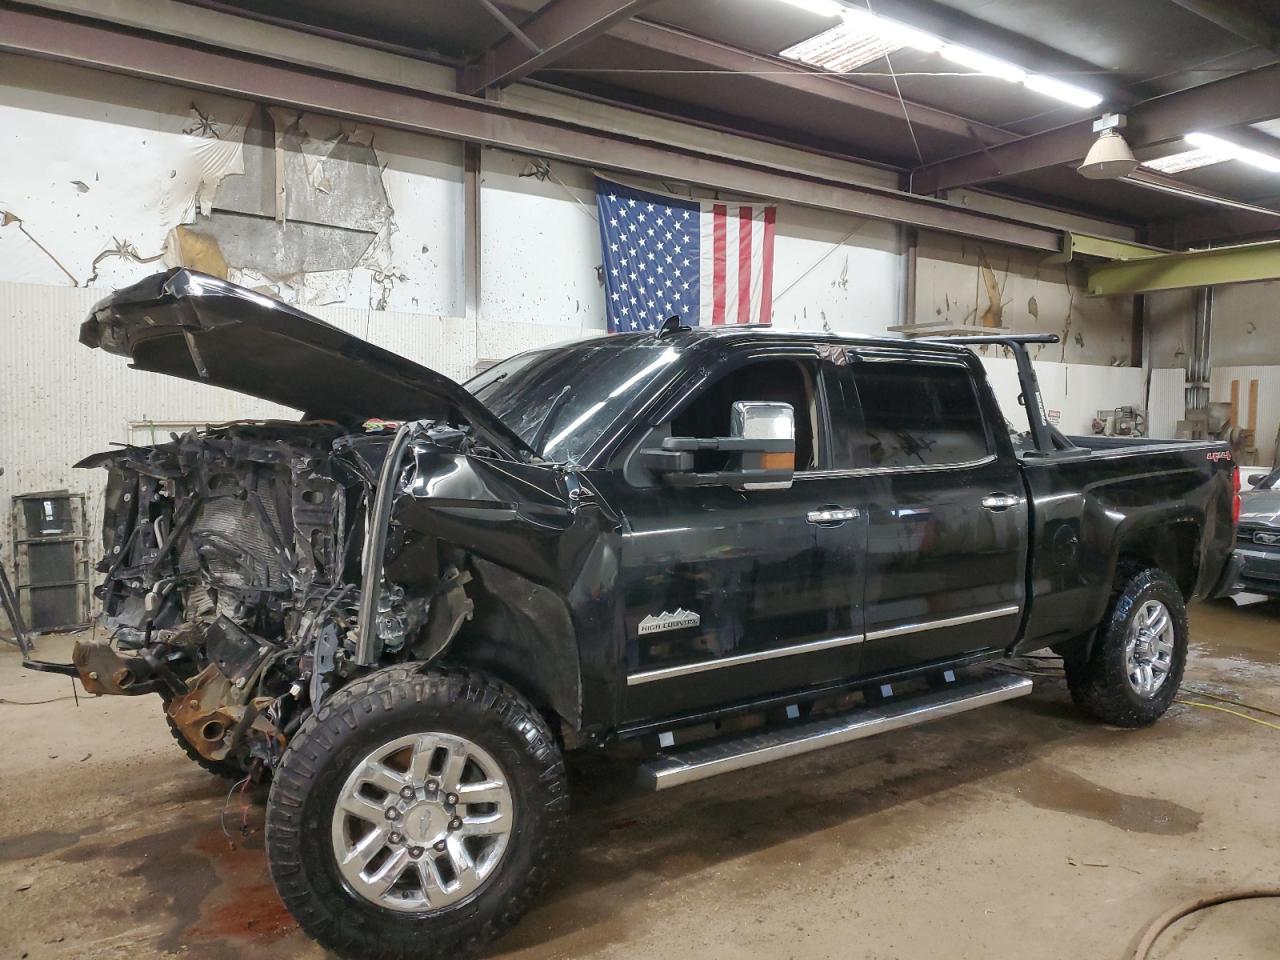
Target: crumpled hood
(197, 327)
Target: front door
(946, 555)
(729, 594)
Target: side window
(918, 414)
(781, 380)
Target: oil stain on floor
(1051, 787)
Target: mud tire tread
(1098, 683)
(351, 928)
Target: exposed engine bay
(233, 576)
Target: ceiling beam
(1216, 226)
(798, 77)
(89, 43)
(554, 31)
(1179, 271)
(1234, 101)
(1231, 17)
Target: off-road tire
(384, 705)
(1099, 684)
(228, 769)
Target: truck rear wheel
(1135, 667)
(416, 815)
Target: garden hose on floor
(1173, 915)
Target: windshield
(562, 400)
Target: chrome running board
(698, 762)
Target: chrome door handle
(833, 515)
(1000, 501)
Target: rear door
(947, 518)
(731, 594)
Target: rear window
(918, 414)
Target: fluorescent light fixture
(823, 8)
(1059, 90)
(842, 49)
(983, 63)
(865, 37)
(1185, 161)
(1207, 141)
(891, 32)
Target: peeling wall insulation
(964, 282)
(108, 179)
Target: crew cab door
(732, 594)
(947, 521)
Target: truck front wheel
(1135, 667)
(416, 815)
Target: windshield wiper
(549, 420)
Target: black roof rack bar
(1043, 435)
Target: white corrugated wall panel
(1268, 378)
(60, 401)
(1077, 391)
(1166, 402)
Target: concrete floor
(1019, 830)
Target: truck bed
(1115, 502)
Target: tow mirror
(758, 454)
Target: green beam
(1197, 268)
(1087, 245)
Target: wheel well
(1170, 547)
(522, 633)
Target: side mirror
(758, 454)
(773, 427)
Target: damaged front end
(249, 569)
(234, 576)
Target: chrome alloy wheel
(1148, 649)
(422, 822)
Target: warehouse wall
(1246, 324)
(965, 282)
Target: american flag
(707, 262)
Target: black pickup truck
(728, 546)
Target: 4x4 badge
(656, 623)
